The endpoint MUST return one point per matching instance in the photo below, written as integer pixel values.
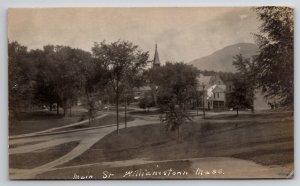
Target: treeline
(59, 75)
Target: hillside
(221, 60)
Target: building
(214, 90)
(156, 61)
(140, 92)
(150, 89)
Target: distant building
(214, 90)
(141, 92)
(156, 62)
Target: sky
(181, 34)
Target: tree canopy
(123, 61)
(275, 61)
(176, 83)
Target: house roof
(214, 89)
(204, 79)
(219, 88)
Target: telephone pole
(203, 101)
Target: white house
(214, 90)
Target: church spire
(156, 61)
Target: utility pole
(126, 110)
(203, 86)
(197, 105)
(197, 101)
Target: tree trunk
(237, 111)
(50, 106)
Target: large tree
(176, 84)
(44, 92)
(244, 82)
(95, 81)
(60, 76)
(21, 71)
(123, 60)
(275, 61)
(241, 96)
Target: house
(214, 90)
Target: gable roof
(204, 79)
(214, 89)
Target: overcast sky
(182, 34)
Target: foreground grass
(265, 139)
(37, 158)
(35, 121)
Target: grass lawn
(107, 120)
(37, 158)
(264, 138)
(39, 121)
(35, 121)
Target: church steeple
(156, 61)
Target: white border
(4, 4)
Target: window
(218, 95)
(214, 95)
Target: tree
(176, 83)
(241, 96)
(246, 79)
(60, 77)
(151, 77)
(69, 75)
(146, 102)
(21, 71)
(275, 61)
(44, 92)
(95, 80)
(121, 59)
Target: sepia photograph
(138, 93)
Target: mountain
(221, 60)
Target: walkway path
(86, 139)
